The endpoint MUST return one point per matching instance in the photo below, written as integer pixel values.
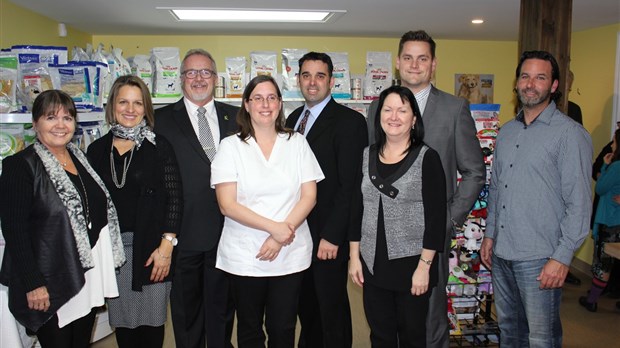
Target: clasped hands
(282, 234)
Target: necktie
(204, 134)
(302, 125)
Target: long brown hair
(134, 81)
(244, 121)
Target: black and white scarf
(136, 134)
(70, 198)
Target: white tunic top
(270, 188)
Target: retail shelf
(27, 118)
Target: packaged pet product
(88, 133)
(8, 82)
(47, 54)
(342, 75)
(167, 72)
(263, 63)
(78, 54)
(123, 67)
(73, 79)
(11, 139)
(290, 70)
(33, 78)
(106, 74)
(378, 73)
(235, 79)
(141, 67)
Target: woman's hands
(269, 250)
(419, 281)
(38, 299)
(355, 264)
(161, 258)
(283, 232)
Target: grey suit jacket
(449, 129)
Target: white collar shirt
(192, 112)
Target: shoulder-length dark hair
(134, 81)
(244, 121)
(50, 102)
(416, 135)
(616, 155)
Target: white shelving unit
(100, 115)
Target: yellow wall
(593, 60)
(453, 56)
(20, 26)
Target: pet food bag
(141, 67)
(166, 64)
(73, 79)
(235, 76)
(8, 82)
(342, 75)
(290, 71)
(263, 63)
(378, 73)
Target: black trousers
(324, 310)
(396, 319)
(74, 335)
(272, 298)
(200, 302)
(140, 337)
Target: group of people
(230, 210)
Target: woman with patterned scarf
(140, 170)
(63, 240)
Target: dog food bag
(141, 67)
(263, 63)
(8, 82)
(235, 76)
(290, 71)
(378, 73)
(166, 64)
(342, 75)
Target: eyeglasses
(193, 73)
(260, 99)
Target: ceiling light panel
(253, 15)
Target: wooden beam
(546, 25)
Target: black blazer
(337, 138)
(160, 201)
(202, 223)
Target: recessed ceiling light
(252, 15)
(477, 21)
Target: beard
(539, 98)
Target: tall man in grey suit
(200, 305)
(337, 136)
(450, 130)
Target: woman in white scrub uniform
(265, 179)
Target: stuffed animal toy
(473, 234)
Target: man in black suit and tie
(450, 130)
(200, 303)
(337, 136)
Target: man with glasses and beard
(199, 301)
(538, 207)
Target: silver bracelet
(428, 262)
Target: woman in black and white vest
(403, 224)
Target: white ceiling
(443, 19)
